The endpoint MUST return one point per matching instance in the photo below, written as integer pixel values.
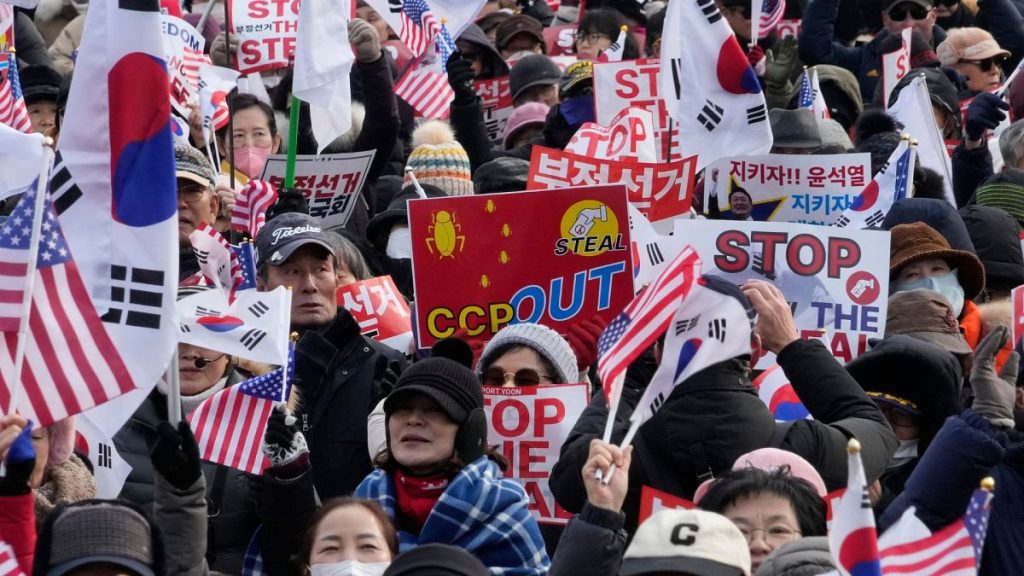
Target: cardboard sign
(331, 183)
(553, 257)
(634, 84)
(652, 501)
(660, 191)
(530, 424)
(266, 32)
(629, 136)
(790, 188)
(380, 310)
(496, 98)
(183, 50)
(836, 280)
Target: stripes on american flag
(425, 85)
(217, 261)
(8, 561)
(954, 550)
(771, 14)
(71, 364)
(192, 60)
(250, 211)
(643, 320)
(230, 425)
(419, 26)
(12, 104)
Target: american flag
(954, 550)
(643, 320)
(71, 363)
(811, 96)
(250, 211)
(419, 26)
(229, 426)
(191, 62)
(8, 561)
(12, 104)
(425, 85)
(806, 99)
(217, 261)
(771, 15)
(246, 266)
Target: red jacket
(18, 527)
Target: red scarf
(416, 495)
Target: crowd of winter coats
(379, 463)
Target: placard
(266, 32)
(381, 311)
(183, 51)
(553, 257)
(634, 84)
(496, 99)
(331, 183)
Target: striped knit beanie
(438, 159)
(1004, 191)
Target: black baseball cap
(285, 234)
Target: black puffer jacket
(715, 416)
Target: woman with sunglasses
(976, 55)
(527, 354)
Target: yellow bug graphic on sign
(445, 234)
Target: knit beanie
(1004, 191)
(453, 386)
(542, 340)
(438, 159)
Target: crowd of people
(380, 461)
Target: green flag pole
(293, 142)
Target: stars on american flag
(18, 229)
(616, 328)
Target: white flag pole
(174, 390)
(290, 337)
(755, 21)
(625, 442)
(30, 274)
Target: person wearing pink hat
(524, 124)
(770, 459)
(976, 55)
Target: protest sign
(561, 40)
(895, 66)
(629, 136)
(660, 191)
(634, 84)
(380, 310)
(652, 501)
(496, 99)
(266, 32)
(553, 257)
(835, 279)
(1017, 297)
(530, 424)
(183, 50)
(807, 189)
(331, 183)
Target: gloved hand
(18, 453)
(756, 58)
(460, 78)
(984, 113)
(779, 64)
(284, 445)
(582, 338)
(365, 41)
(288, 200)
(995, 395)
(224, 45)
(176, 455)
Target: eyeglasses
(591, 37)
(898, 418)
(523, 377)
(192, 193)
(899, 12)
(774, 535)
(987, 63)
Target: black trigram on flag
(204, 311)
(657, 402)
(710, 10)
(842, 222)
(716, 329)
(676, 64)
(875, 219)
(758, 266)
(136, 297)
(62, 187)
(203, 256)
(710, 115)
(185, 328)
(757, 114)
(252, 338)
(654, 254)
(258, 309)
(103, 456)
(686, 324)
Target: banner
(634, 84)
(530, 424)
(331, 183)
(380, 310)
(835, 279)
(807, 189)
(660, 191)
(183, 49)
(496, 99)
(629, 136)
(266, 33)
(554, 257)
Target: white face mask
(905, 453)
(399, 242)
(349, 568)
(947, 284)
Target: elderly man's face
(310, 273)
(909, 15)
(196, 204)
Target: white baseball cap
(689, 541)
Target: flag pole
(205, 16)
(625, 442)
(30, 274)
(291, 337)
(174, 390)
(755, 21)
(230, 139)
(293, 141)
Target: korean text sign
(634, 84)
(331, 183)
(266, 32)
(381, 311)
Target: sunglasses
(986, 64)
(523, 377)
(899, 12)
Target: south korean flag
(709, 87)
(254, 326)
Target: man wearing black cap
(340, 374)
(534, 78)
(40, 86)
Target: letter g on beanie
(687, 541)
(438, 159)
